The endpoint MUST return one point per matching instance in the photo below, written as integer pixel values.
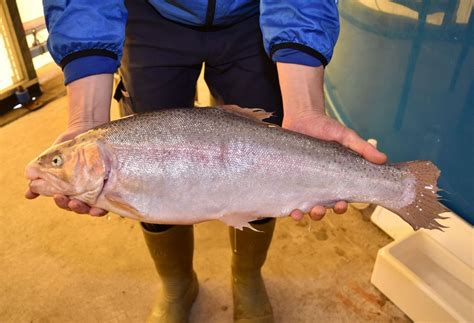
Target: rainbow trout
(185, 166)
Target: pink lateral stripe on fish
(185, 166)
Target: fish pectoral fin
(240, 220)
(116, 200)
(250, 113)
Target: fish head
(77, 168)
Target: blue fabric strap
(87, 66)
(294, 56)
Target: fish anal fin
(249, 113)
(116, 200)
(240, 220)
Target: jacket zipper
(211, 10)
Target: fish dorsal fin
(249, 113)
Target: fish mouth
(44, 183)
(31, 172)
(36, 183)
(39, 186)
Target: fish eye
(57, 161)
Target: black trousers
(162, 61)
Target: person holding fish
(268, 54)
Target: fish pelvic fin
(239, 220)
(250, 113)
(425, 209)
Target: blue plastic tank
(403, 73)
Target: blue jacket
(86, 37)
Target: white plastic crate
(425, 280)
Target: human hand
(89, 106)
(303, 104)
(321, 126)
(63, 201)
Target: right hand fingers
(95, 211)
(77, 206)
(72, 131)
(61, 201)
(69, 134)
(30, 194)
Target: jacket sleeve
(85, 36)
(299, 31)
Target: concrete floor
(61, 267)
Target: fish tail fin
(425, 209)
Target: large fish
(184, 166)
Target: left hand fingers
(351, 140)
(340, 207)
(318, 212)
(297, 215)
(325, 128)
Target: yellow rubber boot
(172, 252)
(249, 251)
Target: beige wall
(30, 9)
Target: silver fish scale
(223, 163)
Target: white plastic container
(425, 280)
